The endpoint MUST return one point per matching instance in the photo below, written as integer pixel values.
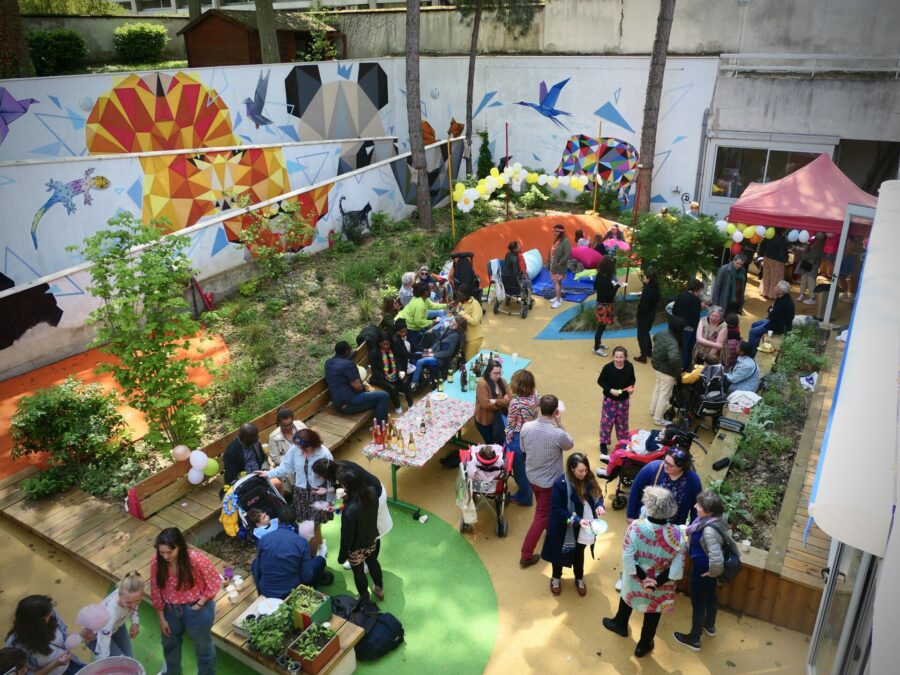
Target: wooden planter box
(321, 614)
(314, 665)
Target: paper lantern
(212, 468)
(730, 228)
(195, 476)
(199, 460)
(749, 231)
(760, 231)
(721, 225)
(495, 172)
(770, 233)
(737, 236)
(181, 453)
(736, 248)
(793, 235)
(803, 237)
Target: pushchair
(483, 482)
(509, 287)
(463, 273)
(257, 492)
(626, 465)
(692, 403)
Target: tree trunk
(15, 60)
(268, 39)
(470, 85)
(414, 115)
(651, 105)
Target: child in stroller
(704, 397)
(485, 470)
(254, 491)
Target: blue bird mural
(547, 102)
(255, 105)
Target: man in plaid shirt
(543, 440)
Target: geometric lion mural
(158, 112)
(186, 188)
(618, 160)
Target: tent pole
(835, 273)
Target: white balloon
(195, 476)
(721, 225)
(760, 231)
(199, 460)
(793, 235)
(738, 236)
(542, 179)
(803, 237)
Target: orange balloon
(755, 239)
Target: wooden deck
(111, 543)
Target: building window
(737, 167)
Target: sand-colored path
(82, 368)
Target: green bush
(140, 42)
(534, 198)
(485, 161)
(798, 352)
(56, 51)
(763, 499)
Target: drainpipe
(703, 142)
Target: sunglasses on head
(302, 442)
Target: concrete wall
(97, 32)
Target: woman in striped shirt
(523, 407)
(183, 588)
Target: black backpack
(733, 564)
(383, 632)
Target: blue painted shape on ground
(610, 113)
(553, 331)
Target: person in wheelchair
(437, 358)
(514, 268)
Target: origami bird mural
(65, 193)
(255, 105)
(11, 109)
(547, 102)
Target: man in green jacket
(666, 360)
(418, 313)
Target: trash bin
(821, 291)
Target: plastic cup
(233, 596)
(745, 545)
(230, 588)
(238, 581)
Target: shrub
(533, 198)
(140, 42)
(798, 353)
(763, 499)
(732, 501)
(55, 51)
(485, 161)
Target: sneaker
(346, 564)
(618, 584)
(801, 297)
(323, 549)
(600, 351)
(809, 301)
(604, 457)
(555, 304)
(398, 410)
(685, 639)
(528, 562)
(601, 473)
(660, 423)
(710, 631)
(555, 588)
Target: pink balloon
(181, 453)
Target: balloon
(749, 231)
(542, 179)
(531, 178)
(195, 476)
(770, 233)
(793, 235)
(517, 167)
(721, 225)
(760, 231)
(553, 183)
(199, 460)
(481, 189)
(737, 236)
(736, 248)
(459, 187)
(212, 468)
(730, 228)
(495, 172)
(181, 453)
(755, 239)
(803, 237)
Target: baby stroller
(464, 273)
(625, 465)
(691, 403)
(509, 287)
(257, 492)
(484, 471)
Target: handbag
(464, 499)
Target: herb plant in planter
(267, 632)
(315, 647)
(309, 606)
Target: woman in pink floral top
(523, 407)
(183, 588)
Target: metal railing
(811, 64)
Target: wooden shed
(221, 37)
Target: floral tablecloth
(448, 416)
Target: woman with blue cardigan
(575, 501)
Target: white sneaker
(555, 304)
(604, 458)
(346, 564)
(801, 297)
(809, 301)
(600, 352)
(398, 410)
(618, 584)
(323, 549)
(601, 473)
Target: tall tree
(516, 16)
(651, 104)
(414, 115)
(14, 58)
(268, 38)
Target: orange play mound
(491, 241)
(81, 367)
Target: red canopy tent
(813, 198)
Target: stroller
(482, 481)
(692, 403)
(463, 272)
(625, 465)
(257, 492)
(508, 287)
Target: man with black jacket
(244, 454)
(687, 307)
